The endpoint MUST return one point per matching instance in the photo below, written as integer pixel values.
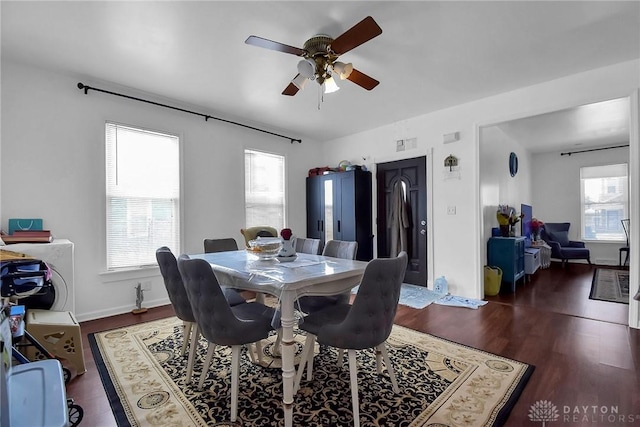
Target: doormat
(414, 296)
(440, 381)
(610, 285)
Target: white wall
(557, 195)
(52, 148)
(459, 240)
(497, 186)
(52, 167)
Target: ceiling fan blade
(362, 32)
(290, 90)
(269, 44)
(362, 80)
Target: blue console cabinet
(508, 254)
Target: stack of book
(28, 236)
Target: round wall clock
(513, 164)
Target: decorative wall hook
(450, 162)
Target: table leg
(288, 372)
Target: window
(605, 201)
(142, 195)
(264, 189)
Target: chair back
(373, 311)
(625, 226)
(553, 230)
(340, 249)
(220, 245)
(174, 285)
(212, 312)
(260, 231)
(308, 246)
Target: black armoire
(339, 208)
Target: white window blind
(142, 195)
(605, 201)
(264, 189)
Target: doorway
(402, 200)
(556, 145)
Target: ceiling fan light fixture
(330, 85)
(342, 69)
(307, 68)
(300, 81)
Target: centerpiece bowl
(265, 247)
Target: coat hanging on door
(398, 220)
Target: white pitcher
(288, 247)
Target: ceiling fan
(320, 57)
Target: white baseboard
(84, 317)
(606, 261)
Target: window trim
(151, 269)
(285, 158)
(626, 208)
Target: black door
(411, 179)
(315, 208)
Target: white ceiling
(601, 124)
(431, 55)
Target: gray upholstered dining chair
(220, 323)
(220, 245)
(340, 249)
(367, 323)
(180, 302)
(307, 245)
(336, 249)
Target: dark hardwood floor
(586, 358)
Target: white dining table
(307, 275)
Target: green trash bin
(492, 280)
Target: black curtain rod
(206, 116)
(568, 153)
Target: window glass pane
(264, 189)
(605, 202)
(142, 195)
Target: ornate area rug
(442, 383)
(610, 285)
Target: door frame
(404, 155)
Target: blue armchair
(557, 236)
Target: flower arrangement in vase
(507, 219)
(536, 226)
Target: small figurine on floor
(139, 298)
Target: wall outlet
(451, 210)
